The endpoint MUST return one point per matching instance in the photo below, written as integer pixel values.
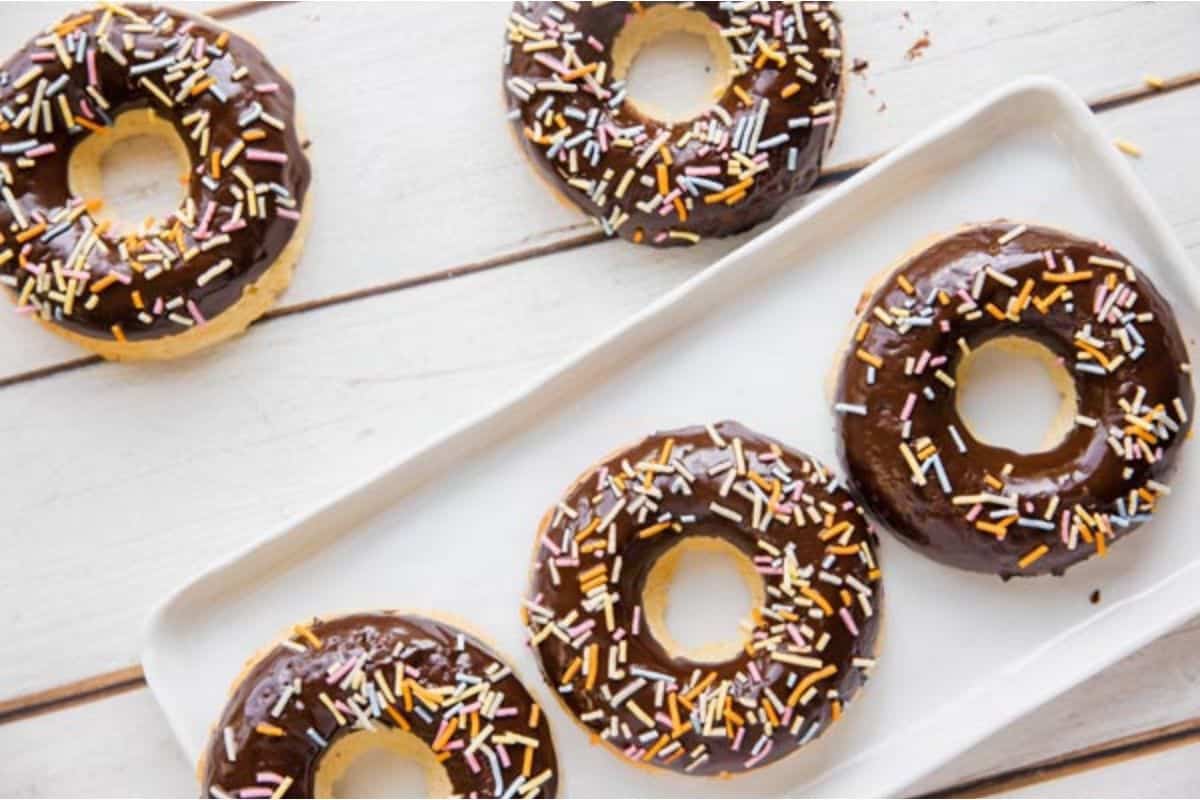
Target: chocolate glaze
(43, 189)
(697, 451)
(771, 188)
(1081, 470)
(373, 636)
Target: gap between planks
(1125, 748)
(829, 176)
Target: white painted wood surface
(310, 403)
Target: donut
(919, 468)
(603, 560)
(307, 707)
(651, 180)
(170, 285)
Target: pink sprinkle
(257, 154)
(91, 68)
(266, 88)
(255, 791)
(637, 619)
(737, 738)
(778, 26)
(503, 753)
(922, 362)
(753, 761)
(121, 277)
(201, 232)
(24, 309)
(944, 325)
(41, 57)
(198, 49)
(509, 711)
(713, 170)
(158, 306)
(1049, 260)
(471, 762)
(269, 777)
(974, 512)
(937, 361)
(787, 716)
(233, 225)
(549, 544)
(287, 213)
(754, 671)
(596, 44)
(909, 404)
(41, 150)
(1098, 302)
(196, 312)
(797, 637)
(849, 620)
(825, 120)
(456, 744)
(1065, 527)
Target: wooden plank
(57, 698)
(1169, 773)
(402, 194)
(116, 747)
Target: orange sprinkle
(700, 687)
(255, 134)
(1067, 277)
(809, 680)
(789, 90)
(681, 209)
(91, 126)
(835, 531)
(447, 732)
(835, 709)
(137, 299)
(863, 329)
(870, 358)
(267, 729)
(999, 531)
(1101, 544)
(842, 550)
(223, 39)
(214, 167)
(535, 712)
(203, 85)
(588, 531)
(1093, 351)
(815, 596)
(741, 93)
(527, 762)
(1033, 555)
(102, 284)
(593, 655)
(664, 183)
(31, 233)
(994, 311)
(579, 72)
(66, 26)
(572, 668)
(905, 284)
(653, 530)
(398, 718)
(770, 712)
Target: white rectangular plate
(751, 338)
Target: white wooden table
(438, 275)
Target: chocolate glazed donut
(986, 508)
(662, 183)
(596, 600)
(303, 710)
(174, 284)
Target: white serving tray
(751, 338)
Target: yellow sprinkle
(1128, 148)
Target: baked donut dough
(174, 284)
(1127, 401)
(647, 179)
(596, 605)
(305, 709)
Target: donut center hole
(674, 62)
(137, 169)
(386, 762)
(698, 599)
(1015, 393)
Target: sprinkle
(1128, 148)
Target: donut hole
(137, 168)
(674, 62)
(698, 598)
(1013, 392)
(386, 762)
